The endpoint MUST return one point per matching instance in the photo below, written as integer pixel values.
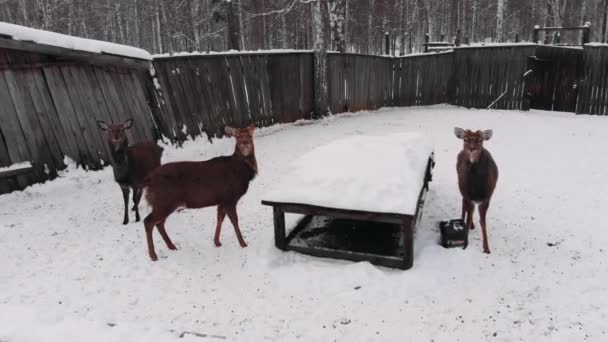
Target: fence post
(387, 44)
(457, 40)
(587, 33)
(517, 37)
(427, 38)
(535, 35)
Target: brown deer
(477, 176)
(220, 182)
(131, 164)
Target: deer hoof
(125, 222)
(153, 257)
(487, 251)
(243, 244)
(172, 247)
(217, 243)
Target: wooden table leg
(408, 242)
(279, 228)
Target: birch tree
(320, 17)
(500, 18)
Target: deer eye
(466, 139)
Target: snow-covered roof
(69, 42)
(368, 173)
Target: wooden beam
(337, 213)
(16, 172)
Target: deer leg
(221, 214)
(465, 214)
(149, 223)
(136, 198)
(125, 196)
(470, 208)
(161, 229)
(483, 209)
(235, 223)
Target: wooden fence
(50, 104)
(593, 87)
(49, 109)
(201, 93)
(482, 74)
(204, 93)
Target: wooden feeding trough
(361, 198)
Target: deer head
(473, 142)
(116, 133)
(244, 144)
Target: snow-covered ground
(69, 266)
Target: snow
(70, 42)
(229, 52)
(16, 166)
(367, 173)
(69, 265)
(480, 45)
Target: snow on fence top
(16, 166)
(229, 52)
(69, 42)
(368, 173)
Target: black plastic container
(454, 234)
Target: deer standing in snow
(131, 164)
(477, 176)
(220, 182)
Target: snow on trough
(69, 266)
(368, 173)
(18, 32)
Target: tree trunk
(402, 29)
(605, 19)
(137, 37)
(158, 34)
(500, 18)
(243, 29)
(370, 28)
(475, 21)
(320, 19)
(233, 27)
(337, 24)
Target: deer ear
(127, 124)
(102, 125)
(487, 134)
(459, 132)
(229, 131)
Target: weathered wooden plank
(39, 152)
(16, 145)
(166, 107)
(81, 107)
(94, 109)
(40, 115)
(143, 115)
(64, 138)
(66, 114)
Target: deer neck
(120, 156)
(250, 162)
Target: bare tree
(320, 16)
